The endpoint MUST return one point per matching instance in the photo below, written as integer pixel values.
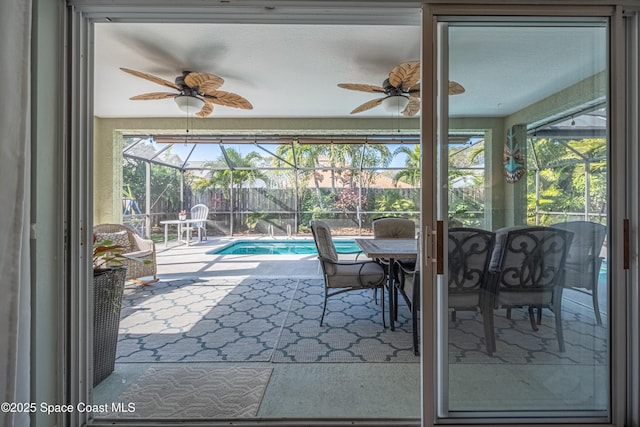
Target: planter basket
(108, 286)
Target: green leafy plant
(454, 220)
(107, 254)
(252, 219)
(393, 201)
(107, 257)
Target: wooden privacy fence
(278, 211)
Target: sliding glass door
(520, 232)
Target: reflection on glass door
(526, 328)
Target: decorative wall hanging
(514, 159)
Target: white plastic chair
(198, 221)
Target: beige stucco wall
(107, 175)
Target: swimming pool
(280, 247)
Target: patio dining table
(180, 223)
(391, 250)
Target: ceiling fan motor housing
(391, 90)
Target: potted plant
(108, 286)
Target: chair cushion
(464, 300)
(138, 254)
(324, 242)
(580, 249)
(394, 228)
(578, 275)
(525, 298)
(501, 238)
(587, 241)
(346, 275)
(120, 238)
(409, 283)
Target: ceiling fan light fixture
(189, 104)
(396, 103)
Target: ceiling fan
(196, 91)
(401, 90)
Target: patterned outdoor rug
(232, 319)
(585, 341)
(352, 330)
(278, 320)
(195, 392)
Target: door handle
(439, 247)
(427, 238)
(626, 244)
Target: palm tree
(349, 157)
(241, 170)
(375, 156)
(306, 158)
(411, 173)
(564, 171)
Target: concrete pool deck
(180, 261)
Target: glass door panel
(523, 182)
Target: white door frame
(79, 200)
(432, 372)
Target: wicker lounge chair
(135, 247)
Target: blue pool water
(279, 247)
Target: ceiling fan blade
(196, 80)
(405, 75)
(361, 87)
(151, 78)
(206, 110)
(368, 105)
(228, 99)
(153, 96)
(209, 88)
(455, 88)
(412, 107)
